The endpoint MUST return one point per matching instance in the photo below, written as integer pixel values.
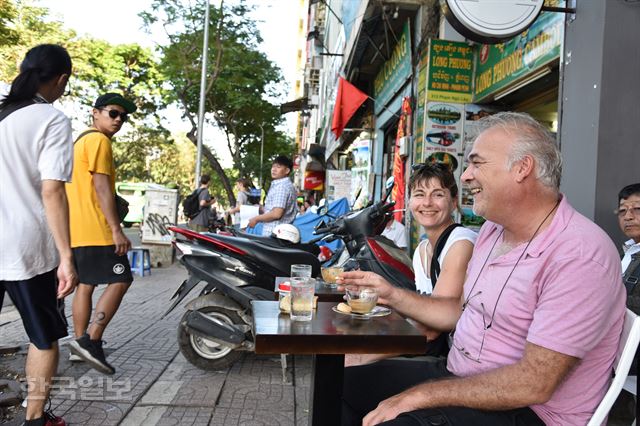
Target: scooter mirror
(389, 187)
(358, 191)
(389, 183)
(322, 211)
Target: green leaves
(240, 78)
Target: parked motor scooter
(217, 327)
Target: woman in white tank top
(433, 199)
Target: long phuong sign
(500, 65)
(450, 71)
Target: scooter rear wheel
(204, 353)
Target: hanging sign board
(394, 72)
(338, 184)
(499, 66)
(450, 71)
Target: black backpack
(191, 204)
(253, 196)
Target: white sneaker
(75, 358)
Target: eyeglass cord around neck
(469, 296)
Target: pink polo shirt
(565, 295)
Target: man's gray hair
(531, 138)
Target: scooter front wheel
(204, 353)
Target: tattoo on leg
(99, 318)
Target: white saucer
(378, 311)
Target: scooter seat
(277, 257)
(280, 244)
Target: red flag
(397, 194)
(348, 101)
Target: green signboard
(450, 71)
(394, 72)
(499, 65)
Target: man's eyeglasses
(622, 212)
(485, 327)
(115, 113)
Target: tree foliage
(240, 79)
(22, 26)
(144, 150)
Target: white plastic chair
(626, 351)
(631, 386)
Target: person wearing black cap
(99, 244)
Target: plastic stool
(140, 260)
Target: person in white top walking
(36, 262)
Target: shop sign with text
(450, 71)
(313, 180)
(500, 65)
(394, 72)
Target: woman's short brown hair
(424, 172)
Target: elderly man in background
(628, 213)
(539, 322)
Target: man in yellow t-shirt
(98, 242)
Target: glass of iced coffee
(362, 300)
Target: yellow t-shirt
(88, 225)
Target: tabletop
(328, 293)
(330, 332)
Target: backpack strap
(442, 240)
(11, 108)
(631, 279)
(198, 192)
(632, 275)
(85, 133)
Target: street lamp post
(203, 84)
(261, 151)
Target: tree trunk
(213, 161)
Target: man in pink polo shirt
(537, 329)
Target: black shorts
(41, 312)
(101, 265)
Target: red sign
(313, 180)
(397, 194)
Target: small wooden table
(328, 293)
(328, 336)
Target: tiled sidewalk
(154, 384)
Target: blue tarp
(306, 222)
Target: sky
(117, 21)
